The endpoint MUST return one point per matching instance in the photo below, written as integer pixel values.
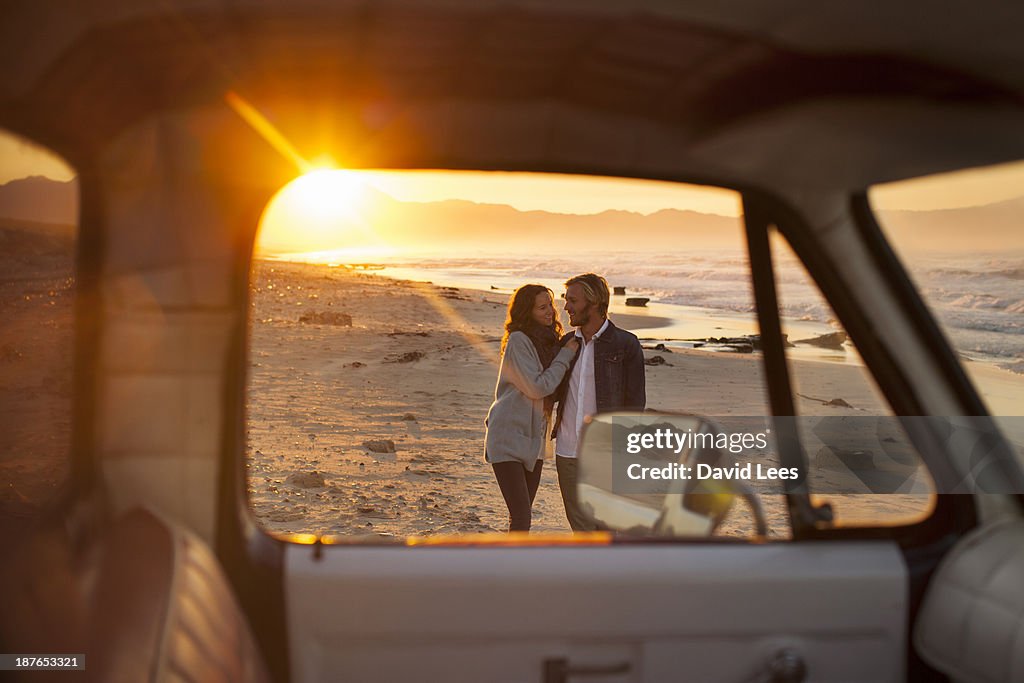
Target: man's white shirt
(580, 397)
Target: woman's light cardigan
(516, 422)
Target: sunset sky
(20, 159)
(339, 192)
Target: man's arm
(634, 389)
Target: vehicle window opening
(372, 370)
(969, 279)
(861, 457)
(38, 231)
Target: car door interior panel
(657, 609)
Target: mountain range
(40, 200)
(463, 224)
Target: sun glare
(323, 209)
(327, 194)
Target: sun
(325, 209)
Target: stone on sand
(380, 446)
(306, 480)
(833, 340)
(326, 318)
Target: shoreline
(706, 294)
(656, 316)
(712, 322)
(679, 326)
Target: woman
(532, 366)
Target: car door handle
(558, 670)
(787, 666)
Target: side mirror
(643, 474)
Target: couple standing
(595, 369)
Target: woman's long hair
(520, 307)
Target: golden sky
(20, 159)
(553, 192)
(972, 187)
(588, 195)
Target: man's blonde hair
(595, 290)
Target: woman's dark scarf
(546, 342)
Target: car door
(617, 612)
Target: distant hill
(975, 228)
(41, 200)
(458, 223)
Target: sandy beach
(416, 366)
(341, 358)
(36, 299)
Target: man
(607, 374)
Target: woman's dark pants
(519, 487)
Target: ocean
(977, 298)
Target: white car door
(731, 612)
